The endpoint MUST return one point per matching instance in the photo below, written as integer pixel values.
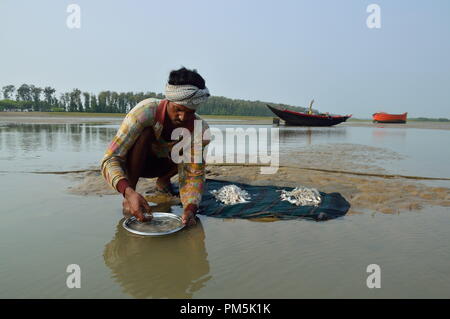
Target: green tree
(24, 93)
(48, 97)
(36, 96)
(130, 100)
(94, 104)
(104, 102)
(75, 104)
(64, 101)
(122, 103)
(8, 91)
(114, 102)
(87, 102)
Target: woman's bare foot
(164, 186)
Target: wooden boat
(382, 117)
(308, 119)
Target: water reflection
(173, 266)
(31, 137)
(309, 134)
(386, 135)
(52, 146)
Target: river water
(44, 228)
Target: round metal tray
(161, 224)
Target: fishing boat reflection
(172, 266)
(380, 135)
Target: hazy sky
(278, 51)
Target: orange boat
(382, 117)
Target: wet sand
(346, 157)
(366, 194)
(410, 124)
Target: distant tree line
(32, 98)
(427, 119)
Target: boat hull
(301, 119)
(389, 118)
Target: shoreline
(115, 118)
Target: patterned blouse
(151, 112)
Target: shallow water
(44, 229)
(62, 147)
(422, 152)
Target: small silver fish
(302, 196)
(231, 194)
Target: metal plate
(161, 224)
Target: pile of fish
(302, 196)
(231, 194)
